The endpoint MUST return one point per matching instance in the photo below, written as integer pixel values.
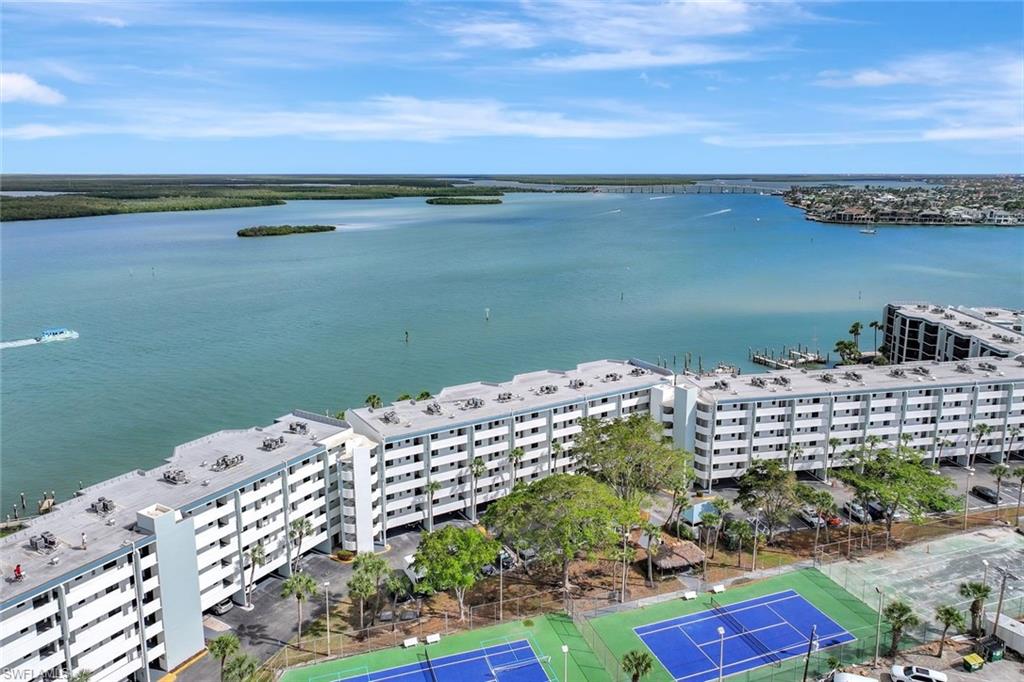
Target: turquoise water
(186, 329)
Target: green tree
(742, 534)
(515, 458)
(298, 530)
(629, 455)
(373, 401)
(452, 559)
(766, 487)
(855, 330)
(1018, 474)
(81, 676)
(1014, 433)
(654, 540)
(429, 492)
(257, 556)
(981, 430)
(949, 617)
(999, 472)
(424, 395)
(833, 445)
(560, 517)
(300, 586)
(977, 593)
(397, 584)
(877, 327)
(403, 397)
(899, 616)
(794, 451)
(241, 669)
(223, 647)
(823, 504)
(376, 568)
(849, 354)
(340, 415)
(361, 588)
(899, 479)
(477, 469)
(637, 664)
(678, 478)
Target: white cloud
(116, 22)
(933, 69)
(677, 55)
(381, 118)
(18, 87)
(842, 138)
(493, 33)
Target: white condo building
(164, 546)
(923, 331)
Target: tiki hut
(676, 556)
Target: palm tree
(241, 669)
(950, 617)
(1018, 473)
(373, 401)
(981, 430)
(877, 326)
(257, 556)
(553, 455)
(431, 489)
(941, 443)
(637, 664)
(299, 529)
(793, 453)
(302, 586)
(404, 396)
(360, 586)
(376, 567)
(424, 395)
(898, 615)
(81, 676)
(654, 541)
(977, 593)
(477, 468)
(999, 471)
(1013, 432)
(223, 647)
(515, 458)
(855, 329)
(743, 534)
(834, 444)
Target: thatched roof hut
(677, 556)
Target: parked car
(913, 673)
(833, 520)
(809, 515)
(985, 493)
(856, 512)
(878, 511)
(838, 676)
(220, 608)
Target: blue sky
(534, 86)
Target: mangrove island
(278, 230)
(462, 201)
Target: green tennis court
(545, 636)
(617, 630)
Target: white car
(913, 673)
(810, 516)
(856, 512)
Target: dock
(788, 358)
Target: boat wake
(15, 344)
(617, 210)
(657, 198)
(708, 215)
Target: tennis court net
(743, 632)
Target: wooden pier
(789, 358)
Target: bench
(411, 642)
(718, 589)
(433, 639)
(689, 595)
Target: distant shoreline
(281, 230)
(461, 201)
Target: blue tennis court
(761, 631)
(505, 662)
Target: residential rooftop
(787, 384)
(202, 476)
(969, 322)
(480, 400)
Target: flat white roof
(967, 322)
(481, 401)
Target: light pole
(327, 606)
(812, 646)
(967, 488)
(753, 558)
(878, 624)
(1002, 589)
(721, 650)
(984, 580)
(565, 660)
(501, 585)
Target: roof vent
(897, 372)
(853, 376)
(722, 384)
(781, 380)
(758, 381)
(612, 376)
(923, 371)
(272, 443)
(987, 366)
(639, 371)
(226, 462)
(176, 476)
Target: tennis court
(760, 631)
(503, 661)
